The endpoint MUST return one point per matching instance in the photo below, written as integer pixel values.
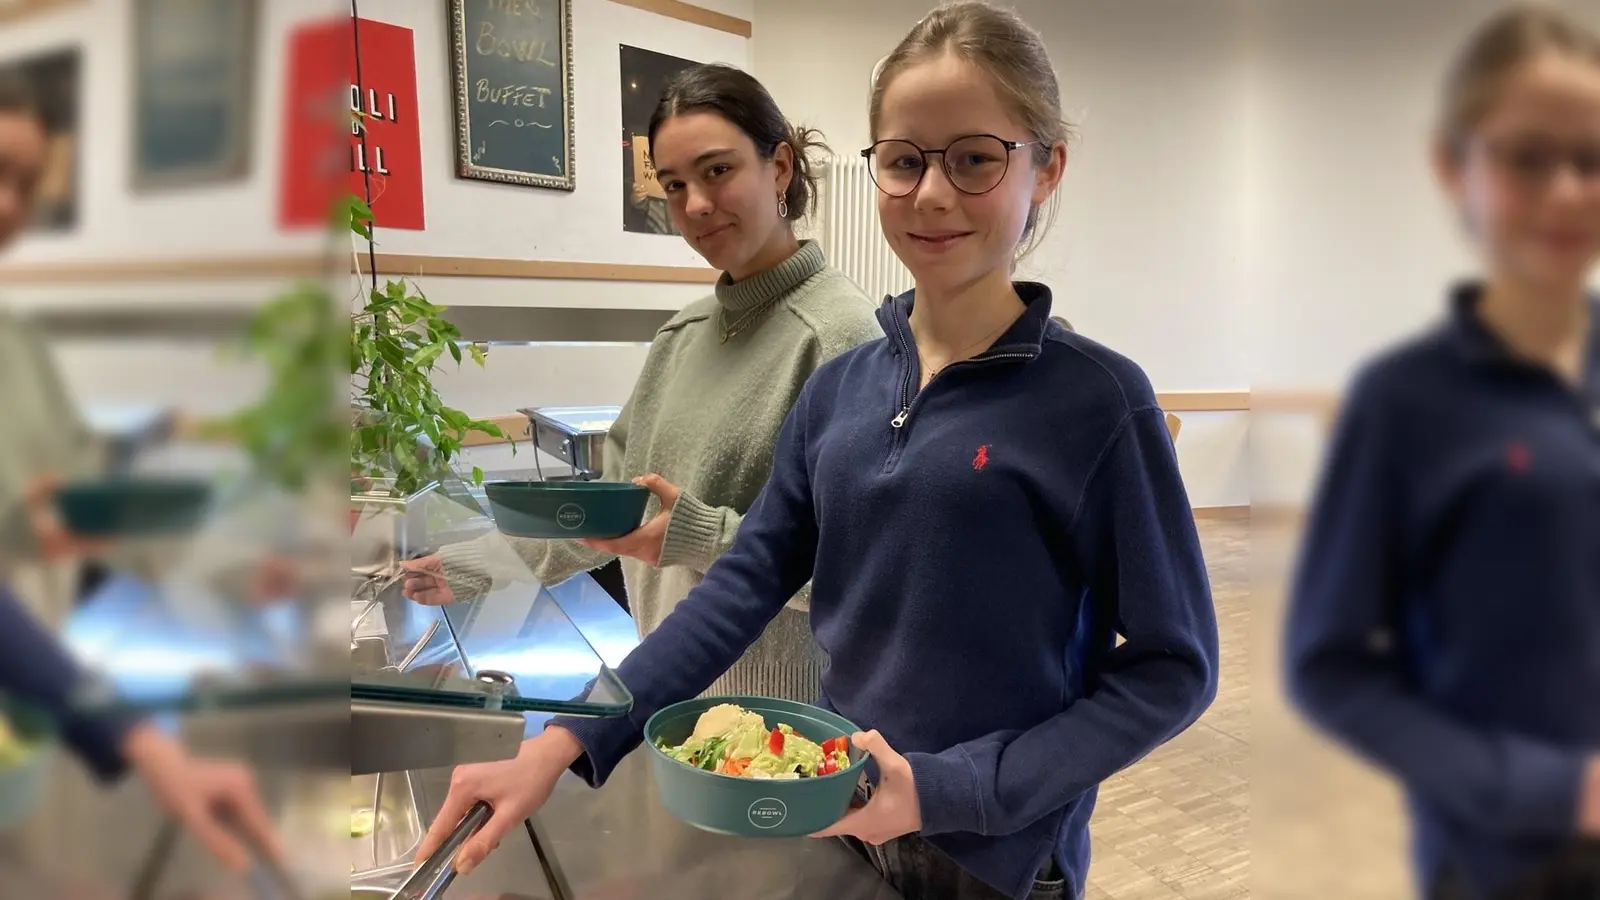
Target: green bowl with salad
(753, 766)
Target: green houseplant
(396, 341)
(396, 427)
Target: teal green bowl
(746, 807)
(133, 506)
(566, 509)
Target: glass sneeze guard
(199, 637)
(502, 619)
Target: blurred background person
(1445, 619)
(45, 441)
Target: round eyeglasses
(975, 164)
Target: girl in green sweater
(720, 377)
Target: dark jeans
(919, 871)
(1571, 874)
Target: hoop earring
(783, 207)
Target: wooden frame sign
(513, 91)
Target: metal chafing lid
(576, 420)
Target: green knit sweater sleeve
(48, 436)
(697, 534)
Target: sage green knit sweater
(705, 415)
(44, 435)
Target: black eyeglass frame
(1010, 146)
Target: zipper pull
(901, 418)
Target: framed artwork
(512, 62)
(193, 63)
(645, 74)
(55, 79)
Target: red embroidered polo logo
(982, 459)
(1518, 459)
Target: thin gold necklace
(956, 357)
(744, 321)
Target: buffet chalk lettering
(513, 87)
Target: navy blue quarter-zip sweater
(1446, 613)
(974, 550)
(36, 671)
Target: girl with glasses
(1446, 616)
(984, 503)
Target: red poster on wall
(315, 167)
(390, 155)
(392, 152)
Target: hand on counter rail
(515, 788)
(894, 809)
(1589, 801)
(425, 582)
(54, 542)
(643, 543)
(210, 798)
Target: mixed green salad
(731, 740)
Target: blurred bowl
(566, 509)
(133, 506)
(751, 807)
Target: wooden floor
(1248, 802)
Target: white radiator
(847, 227)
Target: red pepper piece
(775, 742)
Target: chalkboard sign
(513, 74)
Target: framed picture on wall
(192, 82)
(54, 79)
(513, 91)
(645, 74)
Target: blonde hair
(1497, 49)
(1013, 55)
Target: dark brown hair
(737, 96)
(1012, 54)
(1496, 50)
